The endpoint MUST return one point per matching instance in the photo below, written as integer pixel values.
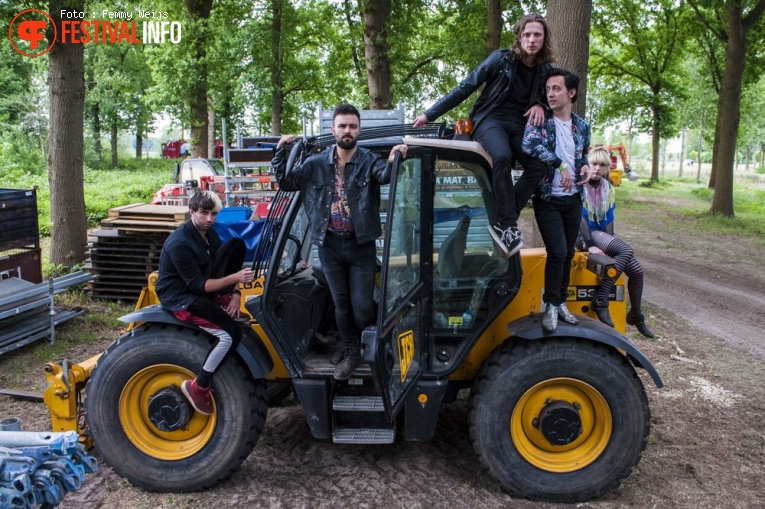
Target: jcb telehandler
(559, 416)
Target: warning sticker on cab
(405, 352)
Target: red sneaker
(198, 397)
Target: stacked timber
(125, 251)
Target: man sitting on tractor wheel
(198, 276)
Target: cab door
(394, 348)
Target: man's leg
(495, 139)
(551, 229)
(213, 319)
(571, 215)
(362, 281)
(229, 258)
(533, 171)
(336, 267)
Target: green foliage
(704, 193)
(133, 181)
(760, 170)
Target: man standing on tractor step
(340, 188)
(562, 143)
(198, 278)
(513, 91)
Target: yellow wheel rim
(594, 414)
(134, 416)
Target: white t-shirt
(565, 149)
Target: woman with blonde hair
(597, 230)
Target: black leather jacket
(496, 72)
(364, 174)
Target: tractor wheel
(143, 425)
(277, 392)
(559, 420)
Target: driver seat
(452, 253)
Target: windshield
(217, 165)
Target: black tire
(512, 396)
(207, 449)
(278, 391)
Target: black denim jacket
(364, 174)
(496, 74)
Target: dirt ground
(705, 297)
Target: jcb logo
(405, 352)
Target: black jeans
(502, 140)
(350, 271)
(558, 221)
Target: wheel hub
(169, 410)
(560, 423)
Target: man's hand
(287, 138)
(586, 175)
(232, 308)
(566, 180)
(401, 149)
(244, 276)
(420, 121)
(536, 114)
(595, 250)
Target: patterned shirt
(340, 211)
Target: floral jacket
(539, 142)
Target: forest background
(665, 69)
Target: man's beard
(345, 144)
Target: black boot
(601, 309)
(352, 360)
(638, 320)
(339, 355)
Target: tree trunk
(746, 159)
(663, 158)
(376, 55)
(729, 114)
(277, 88)
(199, 12)
(655, 144)
(138, 144)
(701, 147)
(211, 132)
(494, 25)
(682, 154)
(715, 149)
(114, 140)
(95, 116)
(66, 84)
(569, 22)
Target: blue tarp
(247, 230)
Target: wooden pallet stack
(126, 250)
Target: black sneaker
(508, 241)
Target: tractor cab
(441, 281)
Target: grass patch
(693, 201)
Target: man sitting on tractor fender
(197, 281)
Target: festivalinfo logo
(29, 28)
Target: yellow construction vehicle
(559, 416)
